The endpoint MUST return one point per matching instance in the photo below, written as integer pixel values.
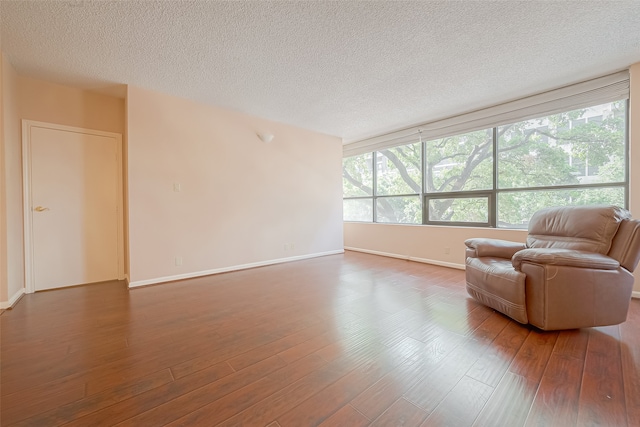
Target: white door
(74, 206)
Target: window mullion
(627, 159)
(423, 195)
(374, 189)
(493, 201)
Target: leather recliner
(574, 271)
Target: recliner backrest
(625, 247)
(585, 228)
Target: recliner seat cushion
(582, 228)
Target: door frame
(27, 202)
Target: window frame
(476, 194)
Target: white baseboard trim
(164, 279)
(368, 251)
(408, 258)
(13, 300)
(440, 263)
(635, 294)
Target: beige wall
(3, 197)
(424, 243)
(634, 141)
(32, 99)
(241, 199)
(12, 213)
(428, 243)
(634, 156)
(125, 181)
(52, 103)
(63, 105)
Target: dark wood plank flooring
(345, 340)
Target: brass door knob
(40, 209)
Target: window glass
(578, 147)
(357, 176)
(406, 210)
(399, 170)
(460, 162)
(474, 209)
(357, 210)
(516, 207)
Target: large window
(393, 186)
(357, 183)
(495, 177)
(398, 184)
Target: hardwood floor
(344, 340)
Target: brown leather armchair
(573, 272)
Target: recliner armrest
(494, 247)
(566, 257)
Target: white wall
(241, 199)
(428, 242)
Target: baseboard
(635, 294)
(13, 300)
(164, 279)
(437, 262)
(368, 251)
(408, 258)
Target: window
(393, 187)
(516, 207)
(495, 177)
(469, 210)
(460, 163)
(357, 176)
(562, 150)
(357, 184)
(358, 210)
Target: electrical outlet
(177, 187)
(178, 261)
(446, 251)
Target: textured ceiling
(350, 69)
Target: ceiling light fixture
(265, 137)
